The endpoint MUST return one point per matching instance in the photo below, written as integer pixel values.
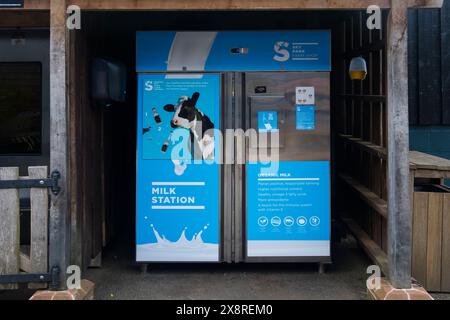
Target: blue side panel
(178, 200)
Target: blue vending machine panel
(231, 51)
(178, 179)
(288, 209)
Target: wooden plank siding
(445, 56)
(431, 240)
(361, 128)
(445, 281)
(434, 241)
(420, 231)
(429, 65)
(39, 226)
(9, 227)
(31, 256)
(86, 154)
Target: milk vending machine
(233, 147)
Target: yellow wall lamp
(358, 69)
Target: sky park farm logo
(282, 52)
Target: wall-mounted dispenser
(108, 81)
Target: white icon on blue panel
(263, 221)
(149, 86)
(314, 221)
(289, 221)
(268, 121)
(302, 221)
(276, 221)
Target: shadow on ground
(120, 278)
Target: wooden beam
(226, 4)
(369, 147)
(59, 229)
(39, 225)
(373, 250)
(25, 19)
(399, 203)
(375, 202)
(37, 4)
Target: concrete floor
(120, 278)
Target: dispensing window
(20, 108)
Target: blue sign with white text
(177, 177)
(234, 51)
(306, 118)
(288, 209)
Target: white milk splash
(182, 250)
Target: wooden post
(59, 226)
(39, 225)
(399, 204)
(9, 227)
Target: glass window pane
(20, 108)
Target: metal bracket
(51, 183)
(52, 278)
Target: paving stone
(86, 292)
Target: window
(20, 108)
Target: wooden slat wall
(9, 227)
(445, 281)
(86, 156)
(431, 240)
(429, 65)
(361, 127)
(445, 54)
(39, 226)
(30, 257)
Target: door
(287, 173)
(178, 172)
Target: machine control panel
(305, 96)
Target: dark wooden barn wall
(86, 157)
(429, 66)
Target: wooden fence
(14, 257)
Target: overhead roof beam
(228, 4)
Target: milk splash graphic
(196, 241)
(183, 250)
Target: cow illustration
(188, 116)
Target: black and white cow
(187, 116)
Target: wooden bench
(431, 221)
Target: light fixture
(358, 69)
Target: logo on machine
(149, 86)
(282, 54)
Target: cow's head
(184, 112)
